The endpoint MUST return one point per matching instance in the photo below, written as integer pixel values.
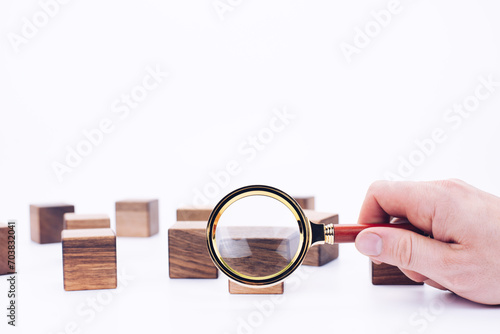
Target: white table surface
(337, 297)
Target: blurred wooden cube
(319, 255)
(239, 289)
(89, 259)
(187, 251)
(137, 218)
(74, 221)
(194, 214)
(4, 250)
(305, 202)
(385, 274)
(258, 250)
(47, 221)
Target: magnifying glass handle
(347, 233)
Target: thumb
(407, 250)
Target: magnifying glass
(258, 235)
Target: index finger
(415, 201)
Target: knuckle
(375, 186)
(456, 181)
(451, 184)
(403, 251)
(450, 191)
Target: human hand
(464, 254)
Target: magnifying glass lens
(257, 236)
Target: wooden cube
(261, 250)
(194, 214)
(73, 221)
(89, 259)
(188, 253)
(385, 274)
(137, 218)
(47, 221)
(239, 289)
(319, 255)
(305, 202)
(4, 250)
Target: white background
(353, 123)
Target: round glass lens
(257, 236)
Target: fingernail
(369, 244)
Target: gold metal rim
(259, 190)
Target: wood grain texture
(74, 221)
(194, 214)
(319, 255)
(137, 218)
(89, 259)
(258, 250)
(305, 202)
(188, 253)
(4, 262)
(239, 289)
(385, 274)
(47, 221)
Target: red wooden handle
(348, 233)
